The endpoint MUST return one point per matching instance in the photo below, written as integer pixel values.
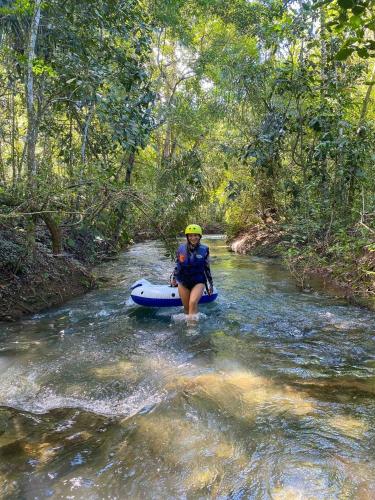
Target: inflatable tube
(146, 294)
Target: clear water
(270, 396)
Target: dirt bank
(33, 281)
(348, 273)
(262, 240)
(353, 279)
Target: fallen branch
(22, 214)
(366, 226)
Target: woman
(192, 271)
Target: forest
(123, 120)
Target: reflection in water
(269, 395)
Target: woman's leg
(195, 295)
(185, 297)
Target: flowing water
(269, 396)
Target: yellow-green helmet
(193, 229)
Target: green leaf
(346, 4)
(349, 41)
(355, 21)
(344, 53)
(362, 52)
(343, 17)
(358, 9)
(332, 23)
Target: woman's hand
(174, 282)
(210, 290)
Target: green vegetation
(123, 119)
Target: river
(270, 396)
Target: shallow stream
(271, 396)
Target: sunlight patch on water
(289, 493)
(244, 394)
(203, 453)
(42, 452)
(350, 426)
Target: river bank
(31, 281)
(343, 269)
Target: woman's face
(194, 238)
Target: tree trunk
(2, 168)
(55, 233)
(322, 161)
(323, 53)
(361, 121)
(32, 124)
(13, 133)
(366, 101)
(167, 145)
(129, 168)
(121, 209)
(70, 163)
(85, 133)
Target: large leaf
(344, 53)
(346, 4)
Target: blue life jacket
(191, 265)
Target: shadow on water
(270, 395)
